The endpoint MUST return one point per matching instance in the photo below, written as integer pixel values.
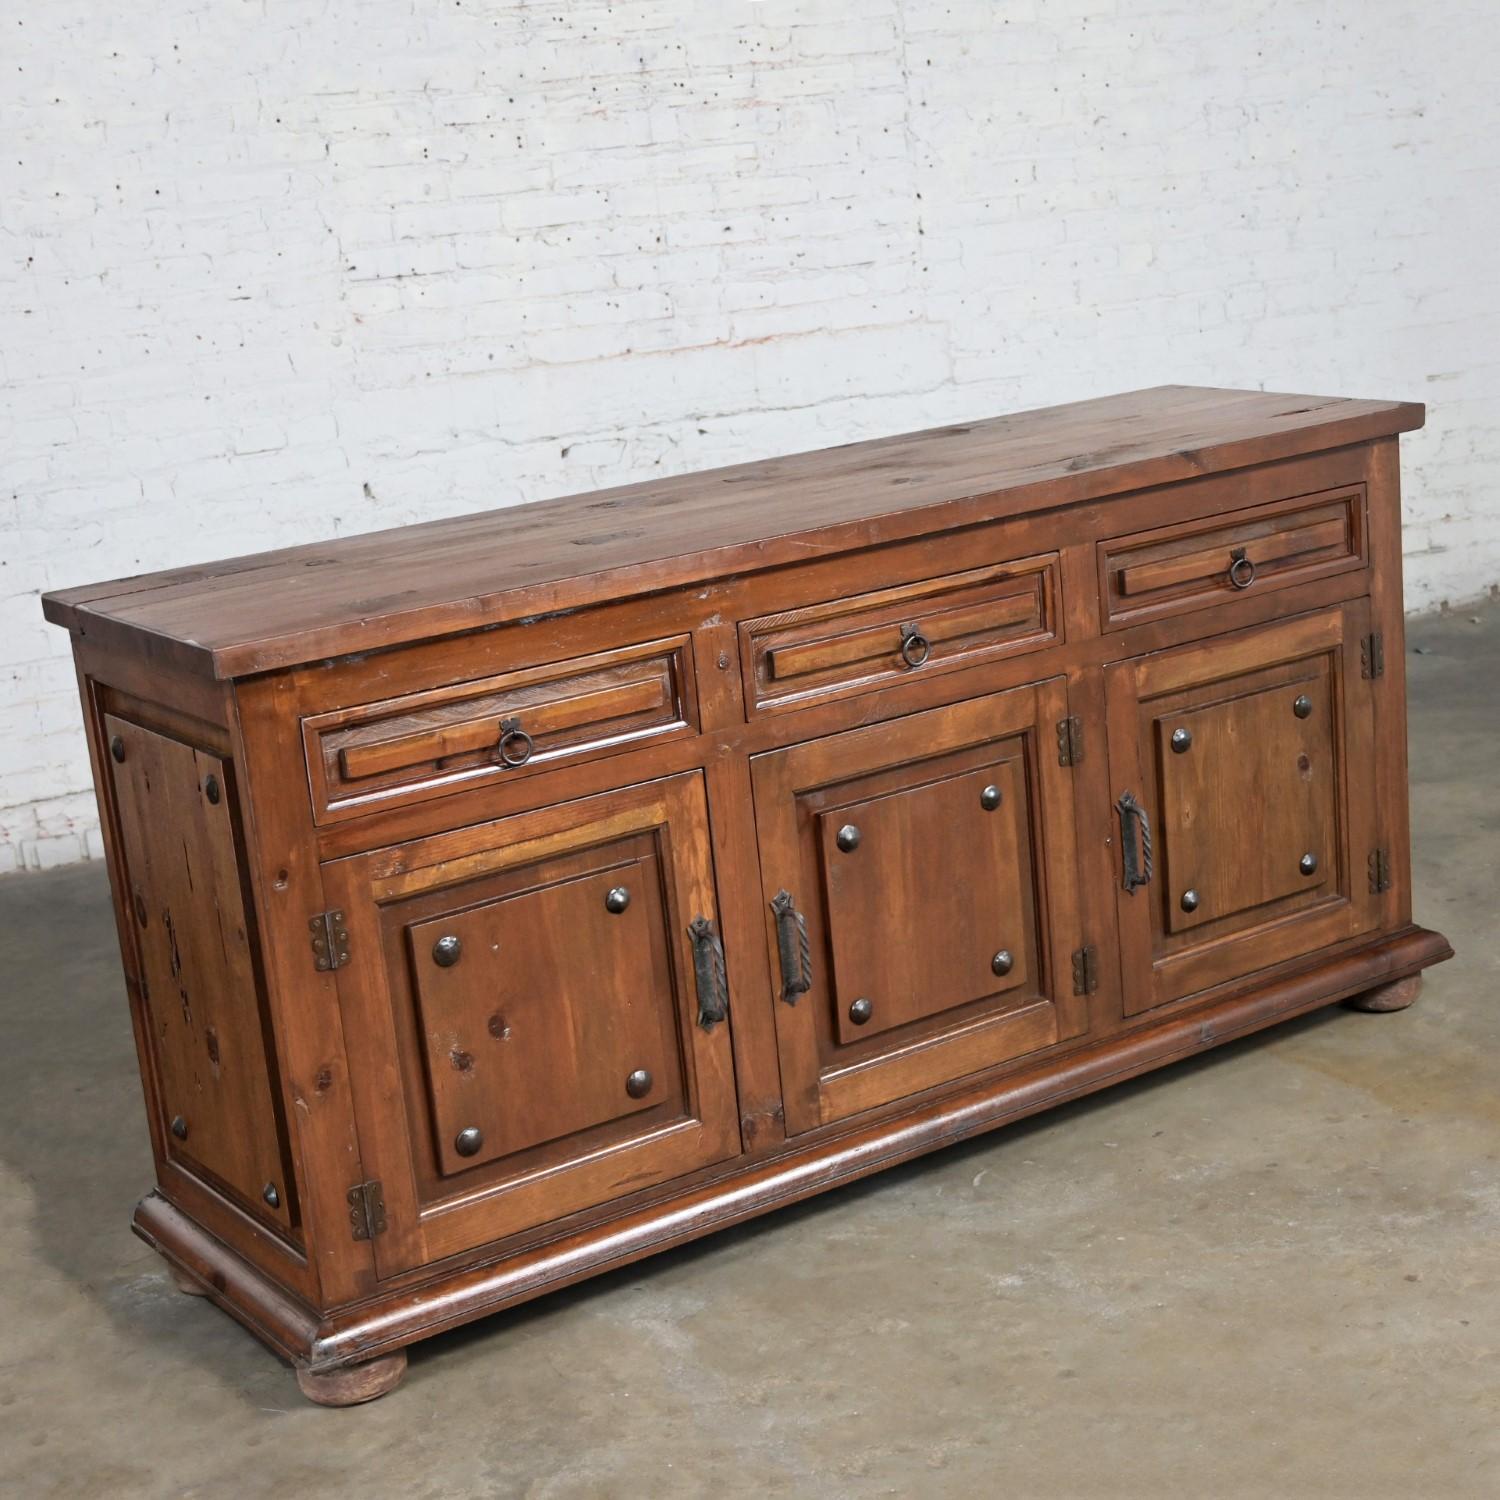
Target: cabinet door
(920, 879)
(1250, 758)
(536, 1016)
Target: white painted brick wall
(270, 272)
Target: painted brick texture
(273, 273)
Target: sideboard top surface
(360, 593)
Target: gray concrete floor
(1273, 1271)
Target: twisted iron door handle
(708, 971)
(1135, 860)
(792, 947)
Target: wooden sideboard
(505, 898)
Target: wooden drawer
(429, 744)
(868, 641)
(1198, 564)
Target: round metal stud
(847, 838)
(117, 748)
(1302, 705)
(447, 951)
(990, 798)
(616, 899)
(638, 1085)
(861, 1011)
(1002, 962)
(1308, 864)
(211, 790)
(179, 1127)
(467, 1142)
(1190, 901)
(1182, 740)
(272, 1197)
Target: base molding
(361, 1334)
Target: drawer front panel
(867, 641)
(1204, 563)
(429, 744)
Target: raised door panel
(501, 1021)
(1244, 768)
(921, 888)
(541, 1014)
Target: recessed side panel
(200, 990)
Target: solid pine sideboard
(505, 898)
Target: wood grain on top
(301, 604)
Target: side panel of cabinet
(1250, 758)
(540, 1011)
(921, 889)
(180, 866)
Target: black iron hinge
(330, 940)
(1069, 740)
(366, 1210)
(1085, 970)
(1380, 872)
(1372, 655)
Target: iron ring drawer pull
(1135, 858)
(515, 745)
(1241, 569)
(915, 647)
(792, 948)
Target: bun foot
(1396, 995)
(189, 1286)
(349, 1385)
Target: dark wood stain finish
(699, 845)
